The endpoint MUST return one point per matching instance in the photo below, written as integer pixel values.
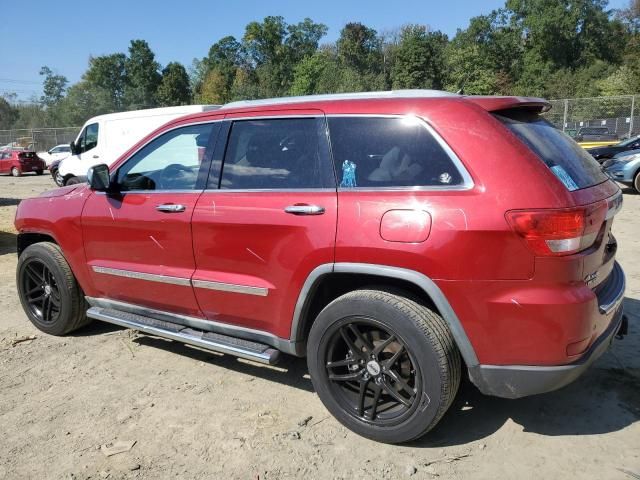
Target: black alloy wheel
(41, 291)
(371, 372)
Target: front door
(88, 151)
(138, 241)
(267, 221)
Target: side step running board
(216, 342)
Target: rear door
(266, 221)
(138, 241)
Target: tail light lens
(559, 232)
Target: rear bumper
(515, 381)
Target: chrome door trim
(283, 344)
(183, 282)
(151, 277)
(230, 287)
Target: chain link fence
(620, 115)
(38, 139)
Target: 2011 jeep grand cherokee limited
(395, 239)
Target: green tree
(309, 73)
(273, 48)
(214, 89)
(360, 48)
(83, 101)
(53, 87)
(174, 88)
(568, 33)
(107, 73)
(419, 58)
(8, 115)
(143, 76)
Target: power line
(21, 82)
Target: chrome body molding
(183, 282)
(282, 344)
(231, 287)
(150, 277)
(422, 281)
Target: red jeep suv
(395, 239)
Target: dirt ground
(194, 414)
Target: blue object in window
(348, 174)
(564, 177)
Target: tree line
(547, 48)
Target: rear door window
(379, 152)
(570, 163)
(277, 154)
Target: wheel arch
(343, 277)
(26, 239)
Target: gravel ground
(194, 414)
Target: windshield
(570, 163)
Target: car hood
(627, 153)
(601, 150)
(61, 192)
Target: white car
(56, 153)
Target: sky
(63, 34)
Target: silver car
(625, 168)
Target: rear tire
(398, 352)
(636, 182)
(48, 290)
(15, 172)
(39, 172)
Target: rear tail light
(559, 232)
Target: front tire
(72, 181)
(48, 291)
(39, 172)
(384, 365)
(636, 182)
(15, 172)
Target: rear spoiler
(495, 104)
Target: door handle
(304, 210)
(171, 208)
(96, 156)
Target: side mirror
(98, 178)
(74, 148)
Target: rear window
(573, 166)
(594, 131)
(379, 152)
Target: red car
(16, 162)
(398, 240)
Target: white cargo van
(105, 137)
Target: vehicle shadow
(629, 191)
(605, 399)
(9, 202)
(290, 371)
(7, 243)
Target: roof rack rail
(341, 96)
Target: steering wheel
(170, 174)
